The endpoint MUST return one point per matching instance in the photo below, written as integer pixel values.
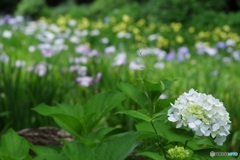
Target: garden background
(66, 51)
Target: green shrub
(31, 8)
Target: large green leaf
(79, 120)
(162, 104)
(117, 148)
(97, 106)
(166, 131)
(67, 117)
(134, 93)
(173, 134)
(46, 153)
(200, 142)
(71, 110)
(136, 115)
(77, 151)
(43, 150)
(152, 155)
(156, 88)
(50, 157)
(13, 146)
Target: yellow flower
(136, 30)
(141, 22)
(226, 28)
(179, 39)
(162, 42)
(191, 29)
(176, 26)
(126, 18)
(61, 21)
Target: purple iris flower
(170, 56)
(221, 45)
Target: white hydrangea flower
(202, 113)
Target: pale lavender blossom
(82, 60)
(93, 53)
(82, 49)
(227, 60)
(98, 77)
(120, 59)
(170, 56)
(46, 36)
(46, 50)
(83, 33)
(72, 22)
(74, 39)
(159, 53)
(85, 81)
(4, 58)
(124, 34)
(104, 40)
(201, 47)
(136, 65)
(236, 55)
(211, 51)
(31, 48)
(159, 65)
(153, 37)
(94, 32)
(183, 54)
(109, 50)
(54, 28)
(215, 73)
(40, 69)
(221, 45)
(230, 42)
(7, 34)
(20, 63)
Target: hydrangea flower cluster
(178, 153)
(202, 113)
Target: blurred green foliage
(31, 8)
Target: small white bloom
(202, 113)
(120, 59)
(7, 34)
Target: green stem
(185, 145)
(159, 144)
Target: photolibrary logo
(212, 153)
(231, 154)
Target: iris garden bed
(69, 60)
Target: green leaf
(154, 86)
(117, 148)
(50, 157)
(46, 153)
(99, 105)
(134, 93)
(152, 155)
(13, 146)
(162, 104)
(166, 131)
(200, 142)
(77, 151)
(67, 117)
(70, 124)
(173, 134)
(79, 120)
(43, 150)
(136, 115)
